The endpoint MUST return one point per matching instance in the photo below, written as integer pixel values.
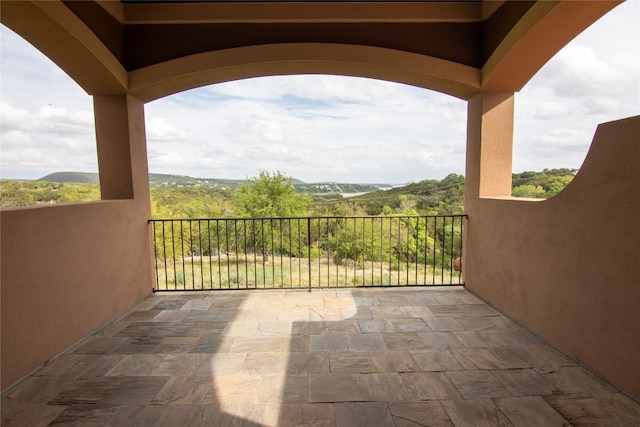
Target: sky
(323, 128)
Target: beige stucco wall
(66, 270)
(567, 267)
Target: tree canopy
(269, 195)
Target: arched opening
(47, 128)
(315, 128)
(594, 79)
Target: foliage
(273, 194)
(269, 195)
(190, 202)
(444, 196)
(543, 184)
(31, 193)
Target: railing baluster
(329, 234)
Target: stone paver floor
(361, 357)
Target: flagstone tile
(387, 312)
(290, 343)
(184, 415)
(531, 411)
(343, 387)
(222, 364)
(577, 380)
(277, 389)
(136, 365)
(393, 361)
(175, 345)
(103, 363)
(308, 363)
(86, 415)
(198, 304)
(309, 328)
(111, 329)
(438, 360)
(251, 344)
(135, 390)
(99, 345)
(324, 314)
(211, 344)
(169, 304)
(183, 390)
(86, 391)
(416, 311)
(429, 386)
(179, 364)
(274, 327)
(357, 312)
(480, 358)
(475, 413)
(198, 329)
(265, 363)
(580, 410)
(307, 414)
(143, 415)
(363, 414)
(365, 342)
(343, 327)
(477, 384)
(201, 316)
(424, 413)
(69, 365)
(138, 345)
(622, 405)
(229, 390)
(359, 362)
(405, 341)
(328, 343)
(171, 316)
(441, 340)
(376, 326)
(524, 382)
(443, 324)
(140, 315)
(384, 387)
(409, 325)
(513, 357)
(170, 329)
(546, 355)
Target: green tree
(269, 195)
(530, 191)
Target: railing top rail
(309, 217)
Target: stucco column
(489, 146)
(122, 153)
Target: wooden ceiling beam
(301, 12)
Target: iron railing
(306, 252)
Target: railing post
(309, 249)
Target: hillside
(178, 181)
(77, 177)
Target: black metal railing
(306, 252)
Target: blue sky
(323, 128)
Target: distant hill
(167, 180)
(78, 177)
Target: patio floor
(360, 357)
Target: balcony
(566, 268)
(359, 357)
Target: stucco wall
(569, 267)
(66, 270)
